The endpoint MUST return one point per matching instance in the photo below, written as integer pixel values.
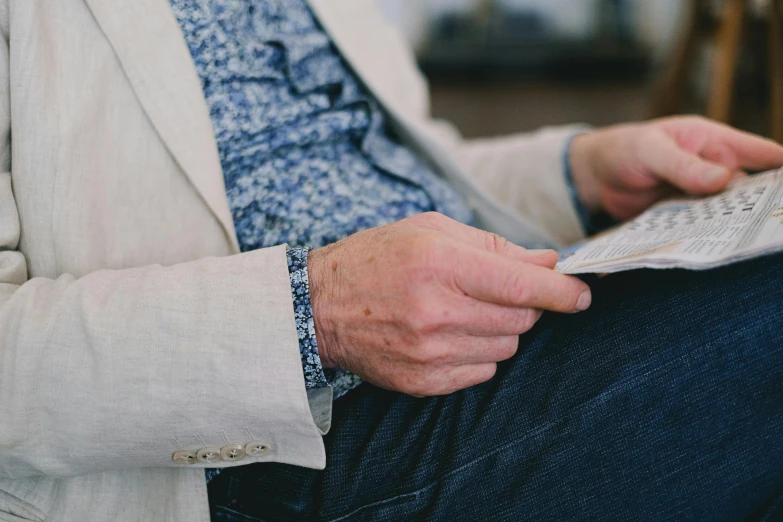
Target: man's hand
(624, 169)
(428, 306)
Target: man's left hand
(622, 170)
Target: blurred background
(500, 66)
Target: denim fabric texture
(663, 402)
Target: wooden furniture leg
(671, 88)
(727, 52)
(775, 52)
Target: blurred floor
(502, 107)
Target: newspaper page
(743, 222)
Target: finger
(735, 149)
(426, 381)
(500, 280)
(488, 241)
(468, 349)
(497, 244)
(545, 258)
(665, 159)
(484, 319)
(461, 377)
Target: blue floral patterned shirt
(306, 152)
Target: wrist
(581, 157)
(322, 273)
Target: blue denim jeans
(663, 402)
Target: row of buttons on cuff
(229, 453)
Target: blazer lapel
(149, 44)
(347, 30)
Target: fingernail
(584, 301)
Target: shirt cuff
(303, 313)
(591, 224)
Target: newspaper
(743, 222)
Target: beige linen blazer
(131, 327)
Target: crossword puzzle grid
(730, 208)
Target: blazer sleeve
(523, 172)
(121, 369)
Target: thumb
(685, 170)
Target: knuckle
(426, 354)
(407, 321)
(422, 317)
(429, 219)
(496, 243)
(419, 386)
(409, 337)
(519, 289)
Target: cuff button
(186, 458)
(233, 452)
(257, 449)
(209, 455)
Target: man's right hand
(428, 306)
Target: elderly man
(159, 155)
